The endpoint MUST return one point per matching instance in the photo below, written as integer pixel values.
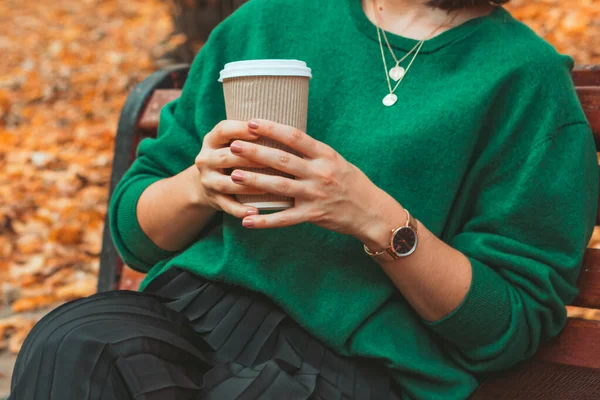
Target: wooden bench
(568, 367)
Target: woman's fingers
(288, 217)
(290, 136)
(232, 207)
(280, 185)
(271, 157)
(223, 158)
(221, 183)
(228, 130)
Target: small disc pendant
(390, 100)
(397, 73)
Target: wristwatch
(403, 241)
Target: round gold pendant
(390, 100)
(397, 73)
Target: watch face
(404, 241)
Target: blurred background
(66, 68)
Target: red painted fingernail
(236, 148)
(248, 223)
(251, 212)
(253, 124)
(237, 176)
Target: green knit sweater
(488, 147)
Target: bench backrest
(567, 367)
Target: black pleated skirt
(186, 338)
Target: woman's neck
(416, 20)
(399, 7)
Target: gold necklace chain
(411, 50)
(396, 72)
(391, 98)
(392, 52)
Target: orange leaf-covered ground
(65, 70)
(572, 26)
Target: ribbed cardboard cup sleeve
(283, 99)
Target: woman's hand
(215, 186)
(328, 190)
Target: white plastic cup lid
(265, 68)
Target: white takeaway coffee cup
(275, 90)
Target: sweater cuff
(130, 231)
(482, 316)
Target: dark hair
(457, 4)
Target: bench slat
(151, 114)
(590, 101)
(589, 281)
(541, 381)
(567, 347)
(586, 75)
(562, 369)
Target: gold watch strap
(378, 253)
(389, 249)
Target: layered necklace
(397, 72)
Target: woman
(482, 145)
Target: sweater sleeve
(182, 126)
(525, 239)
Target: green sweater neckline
(364, 24)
